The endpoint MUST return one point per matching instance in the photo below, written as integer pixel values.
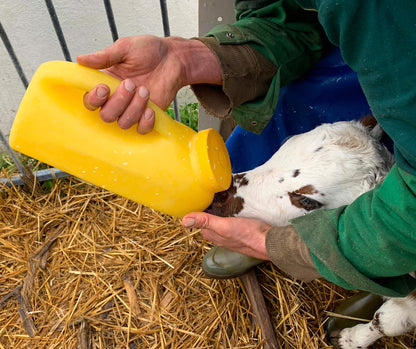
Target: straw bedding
(83, 268)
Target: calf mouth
(226, 204)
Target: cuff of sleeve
(242, 66)
(288, 252)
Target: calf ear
(376, 176)
(370, 122)
(377, 132)
(371, 181)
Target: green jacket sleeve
(371, 244)
(285, 34)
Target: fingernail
(148, 114)
(143, 92)
(102, 92)
(189, 222)
(129, 85)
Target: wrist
(258, 244)
(199, 64)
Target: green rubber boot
(362, 305)
(221, 263)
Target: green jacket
(370, 244)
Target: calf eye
(309, 204)
(302, 201)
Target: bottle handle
(85, 78)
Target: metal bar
(22, 76)
(13, 56)
(165, 17)
(166, 31)
(41, 176)
(12, 154)
(110, 18)
(58, 29)
(176, 110)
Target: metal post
(166, 31)
(12, 154)
(111, 21)
(58, 29)
(13, 56)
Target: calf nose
(221, 197)
(218, 203)
(225, 204)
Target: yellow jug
(172, 169)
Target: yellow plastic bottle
(172, 169)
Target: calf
(327, 167)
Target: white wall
(85, 27)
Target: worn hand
(149, 67)
(244, 235)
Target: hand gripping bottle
(172, 169)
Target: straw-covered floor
(83, 268)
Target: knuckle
(126, 121)
(204, 222)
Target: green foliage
(8, 167)
(188, 114)
(47, 185)
(7, 164)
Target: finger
(135, 109)
(96, 97)
(147, 122)
(118, 102)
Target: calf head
(327, 167)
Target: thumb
(196, 220)
(102, 59)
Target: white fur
(348, 163)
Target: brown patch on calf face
(225, 203)
(231, 190)
(296, 173)
(299, 200)
(240, 179)
(307, 189)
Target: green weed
(188, 114)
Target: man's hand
(149, 67)
(247, 236)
